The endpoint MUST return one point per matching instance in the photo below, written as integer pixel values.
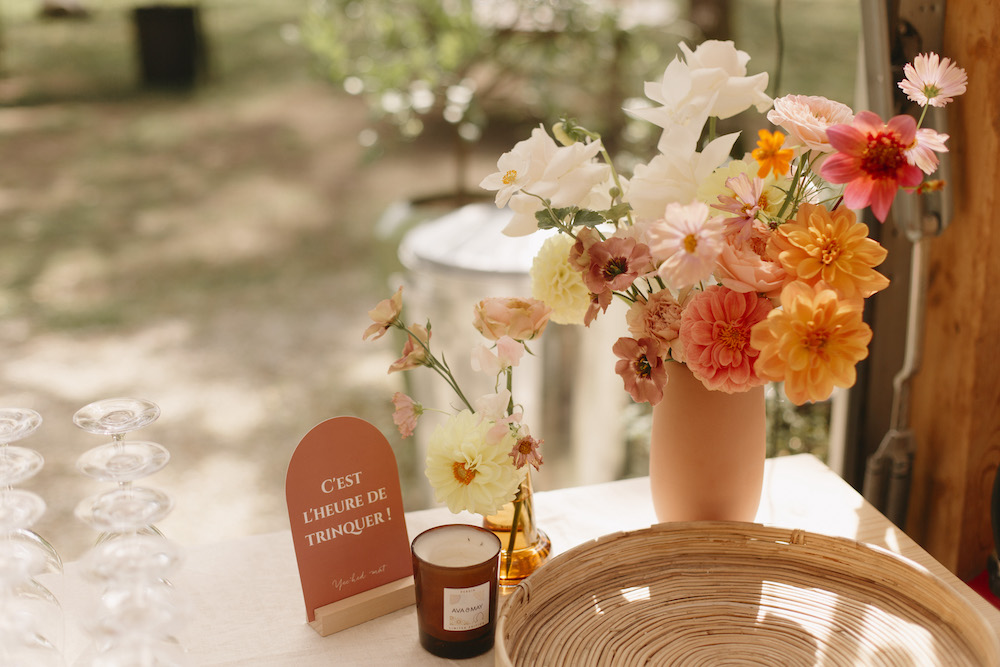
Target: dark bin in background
(171, 45)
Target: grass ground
(214, 251)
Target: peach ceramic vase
(706, 452)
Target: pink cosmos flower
(384, 314)
(744, 205)
(414, 354)
(922, 152)
(871, 160)
(933, 80)
(641, 368)
(806, 118)
(521, 319)
(615, 264)
(688, 242)
(658, 317)
(715, 330)
(406, 414)
(526, 451)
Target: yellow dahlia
(812, 342)
(466, 472)
(832, 247)
(559, 284)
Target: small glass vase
(529, 547)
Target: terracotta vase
(529, 547)
(706, 453)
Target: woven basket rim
(550, 593)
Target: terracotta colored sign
(346, 512)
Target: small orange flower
(812, 342)
(769, 154)
(833, 247)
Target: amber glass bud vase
(524, 547)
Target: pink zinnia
(715, 332)
(641, 368)
(871, 159)
(406, 414)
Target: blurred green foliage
(475, 63)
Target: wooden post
(956, 403)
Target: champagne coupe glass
(30, 616)
(135, 618)
(126, 509)
(20, 509)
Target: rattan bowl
(720, 593)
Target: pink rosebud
(521, 319)
(384, 314)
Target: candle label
(466, 608)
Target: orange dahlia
(832, 247)
(812, 342)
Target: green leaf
(587, 218)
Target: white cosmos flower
(570, 177)
(520, 166)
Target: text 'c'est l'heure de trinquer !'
(346, 511)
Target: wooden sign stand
(363, 607)
(348, 528)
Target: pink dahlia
(715, 332)
(872, 160)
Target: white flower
(493, 407)
(570, 177)
(711, 81)
(674, 177)
(922, 152)
(738, 91)
(520, 166)
(687, 242)
(466, 473)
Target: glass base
(525, 559)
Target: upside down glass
(455, 571)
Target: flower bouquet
(746, 270)
(478, 458)
(735, 272)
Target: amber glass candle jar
(455, 570)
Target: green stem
(513, 532)
(440, 367)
